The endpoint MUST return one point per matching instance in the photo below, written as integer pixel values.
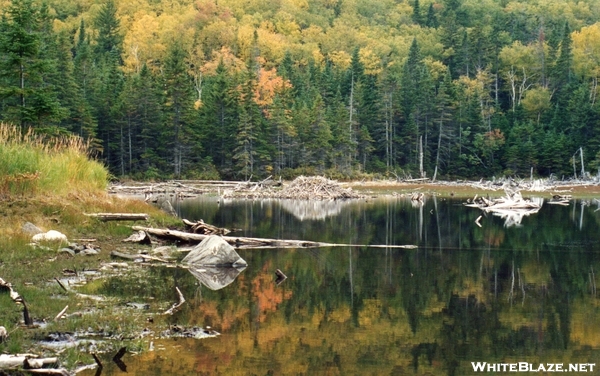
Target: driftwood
(200, 227)
(119, 216)
(27, 361)
(560, 200)
(512, 201)
(138, 256)
(243, 242)
(301, 188)
(139, 237)
(3, 334)
(61, 313)
(176, 306)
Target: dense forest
(233, 89)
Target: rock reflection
(214, 277)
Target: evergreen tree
(109, 38)
(178, 109)
(431, 20)
(78, 119)
(343, 147)
(108, 82)
(218, 116)
(27, 97)
(416, 16)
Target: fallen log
(243, 242)
(138, 256)
(119, 216)
(16, 361)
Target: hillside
(231, 89)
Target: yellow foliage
(294, 4)
(586, 51)
(370, 61)
(537, 100)
(231, 62)
(271, 45)
(245, 39)
(341, 315)
(286, 25)
(340, 59)
(437, 69)
(370, 312)
(218, 34)
(141, 43)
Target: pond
(520, 288)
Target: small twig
(477, 221)
(61, 313)
(60, 284)
(175, 306)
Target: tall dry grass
(32, 164)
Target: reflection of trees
(305, 209)
(374, 311)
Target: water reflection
(495, 294)
(215, 278)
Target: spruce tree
(27, 97)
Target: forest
(231, 89)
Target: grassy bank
(52, 182)
(37, 165)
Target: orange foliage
(209, 11)
(268, 295)
(225, 55)
(269, 84)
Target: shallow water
(517, 289)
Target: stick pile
(316, 188)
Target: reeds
(33, 164)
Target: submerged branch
(175, 306)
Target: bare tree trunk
(437, 157)
(582, 167)
(422, 173)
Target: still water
(520, 288)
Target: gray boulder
(215, 263)
(214, 251)
(31, 229)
